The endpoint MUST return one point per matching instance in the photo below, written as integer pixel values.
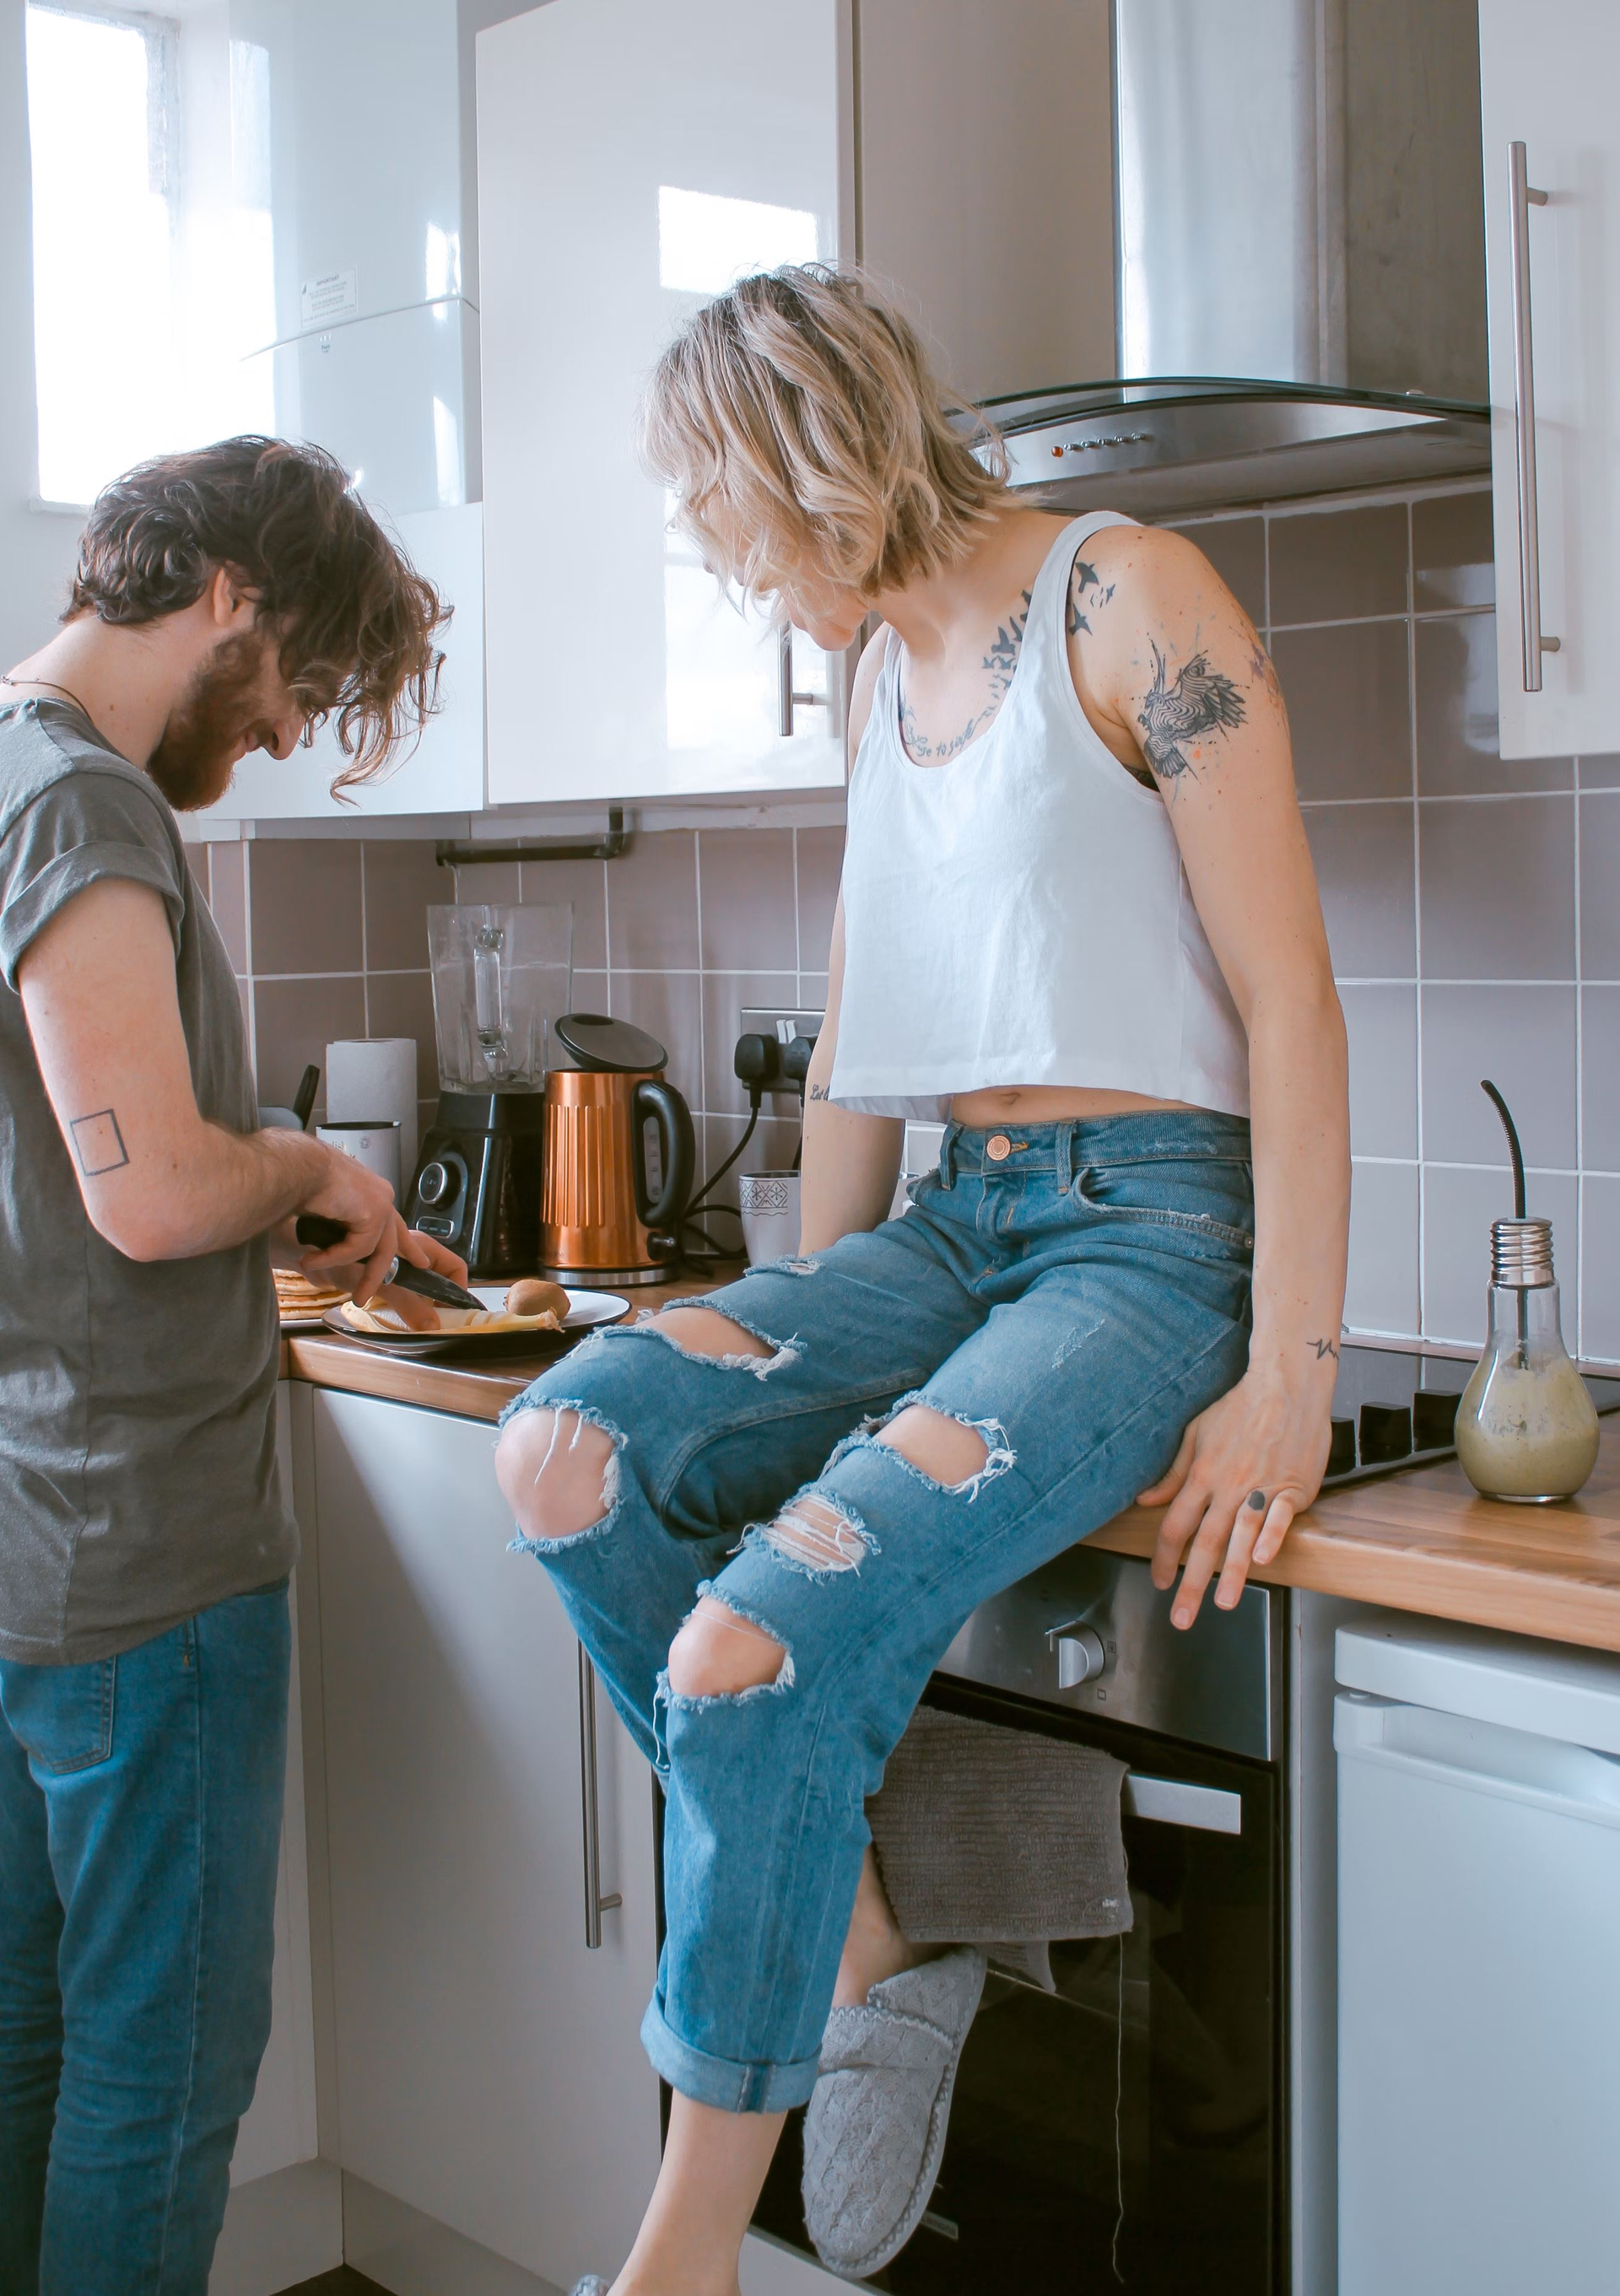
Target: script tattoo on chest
(1176, 712)
(1087, 593)
(999, 664)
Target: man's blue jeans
(140, 1827)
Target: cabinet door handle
(787, 698)
(595, 1903)
(1521, 197)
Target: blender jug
(501, 979)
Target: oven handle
(595, 1903)
(1172, 1802)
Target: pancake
(390, 1324)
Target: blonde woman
(1078, 921)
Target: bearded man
(225, 601)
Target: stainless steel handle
(1521, 197)
(595, 1903)
(787, 698)
(1172, 1802)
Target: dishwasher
(1479, 1963)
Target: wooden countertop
(1427, 1541)
(454, 1384)
(1423, 1541)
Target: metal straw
(1517, 1154)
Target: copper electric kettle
(600, 1221)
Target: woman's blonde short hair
(797, 422)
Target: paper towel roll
(376, 1077)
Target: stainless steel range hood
(1300, 261)
(1157, 448)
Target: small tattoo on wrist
(1325, 1347)
(98, 1143)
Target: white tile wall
(1473, 908)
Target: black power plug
(757, 1062)
(794, 1062)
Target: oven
(1129, 2131)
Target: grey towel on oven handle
(1000, 1838)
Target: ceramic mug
(377, 1146)
(769, 1203)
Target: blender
(502, 976)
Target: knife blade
(426, 1283)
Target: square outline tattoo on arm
(97, 1136)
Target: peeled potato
(531, 1295)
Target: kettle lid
(597, 1042)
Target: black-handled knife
(322, 1234)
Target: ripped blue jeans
(1075, 1293)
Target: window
(145, 304)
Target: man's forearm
(1297, 1069)
(225, 1188)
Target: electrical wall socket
(780, 1021)
(783, 1024)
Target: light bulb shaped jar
(1525, 1427)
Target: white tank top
(1019, 915)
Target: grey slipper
(874, 2130)
(593, 2285)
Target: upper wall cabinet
(358, 143)
(634, 158)
(1552, 232)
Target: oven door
(1128, 2129)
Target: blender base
(477, 1185)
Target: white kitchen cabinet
(444, 772)
(1547, 76)
(487, 2069)
(634, 157)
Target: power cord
(757, 1063)
(762, 1064)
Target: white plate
(585, 1310)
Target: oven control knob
(1080, 1657)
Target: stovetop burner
(1394, 1407)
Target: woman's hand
(1245, 1469)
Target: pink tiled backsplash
(329, 938)
(1471, 906)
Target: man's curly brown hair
(352, 620)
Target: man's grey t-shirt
(137, 1444)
